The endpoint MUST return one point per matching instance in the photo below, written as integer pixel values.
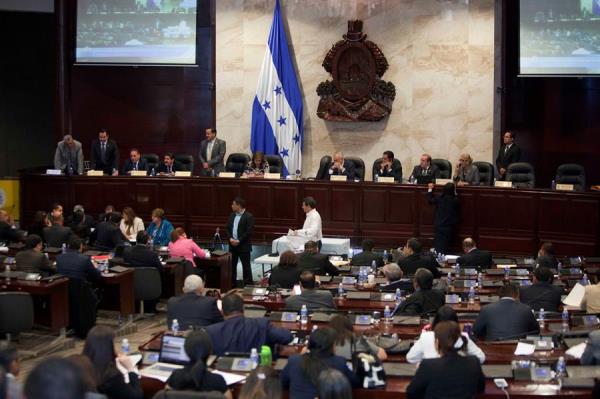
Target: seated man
(390, 167)
(393, 275)
(425, 169)
(135, 162)
(425, 299)
(192, 309)
(31, 259)
(414, 259)
(8, 231)
(107, 235)
(506, 319)
(547, 256)
(474, 257)
(57, 234)
(169, 165)
(341, 167)
(542, 294)
(367, 256)
(74, 264)
(80, 222)
(240, 334)
(140, 255)
(317, 263)
(312, 298)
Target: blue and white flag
(277, 126)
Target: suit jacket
(349, 171)
(82, 228)
(56, 235)
(317, 263)
(75, 265)
(541, 295)
(476, 258)
(129, 166)
(194, 310)
(107, 236)
(410, 264)
(505, 320)
(366, 258)
(512, 155)
(31, 261)
(7, 233)
(241, 334)
(65, 156)
(244, 233)
(141, 256)
(395, 171)
(285, 277)
(313, 299)
(446, 210)
(433, 171)
(175, 167)
(421, 302)
(548, 261)
(217, 155)
(469, 174)
(451, 376)
(111, 156)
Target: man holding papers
(312, 228)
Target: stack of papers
(524, 349)
(230, 378)
(575, 297)
(577, 350)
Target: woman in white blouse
(130, 224)
(424, 348)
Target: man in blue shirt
(240, 228)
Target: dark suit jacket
(446, 210)
(548, 261)
(476, 258)
(366, 258)
(114, 387)
(192, 309)
(217, 156)
(313, 300)
(75, 265)
(421, 302)
(395, 171)
(140, 256)
(513, 155)
(433, 171)
(241, 334)
(129, 166)
(317, 263)
(410, 264)
(349, 171)
(541, 295)
(7, 233)
(451, 376)
(56, 236)
(82, 228)
(31, 261)
(111, 157)
(107, 236)
(175, 167)
(285, 277)
(504, 320)
(244, 233)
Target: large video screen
(559, 37)
(136, 32)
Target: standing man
(105, 154)
(135, 162)
(69, 156)
(240, 228)
(341, 167)
(509, 153)
(212, 153)
(312, 228)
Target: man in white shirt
(312, 228)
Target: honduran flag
(277, 126)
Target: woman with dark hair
(333, 385)
(301, 374)
(258, 166)
(345, 339)
(40, 221)
(424, 347)
(195, 375)
(445, 218)
(100, 349)
(450, 376)
(287, 273)
(262, 383)
(130, 224)
(181, 245)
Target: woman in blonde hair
(130, 224)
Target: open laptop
(171, 357)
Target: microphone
(217, 240)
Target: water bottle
(559, 268)
(64, 248)
(398, 296)
(374, 267)
(303, 316)
(561, 368)
(152, 172)
(350, 253)
(457, 270)
(542, 319)
(553, 184)
(7, 272)
(361, 275)
(471, 295)
(254, 358)
(506, 273)
(376, 177)
(386, 257)
(565, 319)
(480, 280)
(387, 315)
(151, 242)
(125, 346)
(266, 357)
(175, 326)
(340, 290)
(449, 279)
(584, 280)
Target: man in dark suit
(240, 227)
(312, 298)
(508, 153)
(367, 256)
(389, 167)
(542, 294)
(547, 256)
(424, 300)
(31, 259)
(107, 235)
(212, 154)
(74, 264)
(506, 319)
(105, 154)
(315, 262)
(135, 162)
(414, 259)
(240, 334)
(192, 309)
(425, 169)
(341, 167)
(393, 275)
(57, 234)
(8, 232)
(80, 222)
(169, 165)
(474, 257)
(140, 255)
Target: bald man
(474, 257)
(341, 167)
(192, 308)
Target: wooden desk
(118, 293)
(218, 271)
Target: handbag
(367, 367)
(391, 345)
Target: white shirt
(424, 348)
(138, 225)
(209, 148)
(312, 228)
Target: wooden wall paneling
(201, 199)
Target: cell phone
(501, 383)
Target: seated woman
(345, 339)
(185, 247)
(424, 347)
(258, 166)
(466, 173)
(287, 273)
(160, 229)
(100, 349)
(262, 383)
(130, 224)
(301, 373)
(195, 375)
(450, 376)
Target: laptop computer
(171, 357)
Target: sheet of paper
(575, 297)
(135, 359)
(577, 350)
(230, 378)
(524, 349)
(161, 377)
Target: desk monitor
(172, 350)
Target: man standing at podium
(240, 228)
(312, 228)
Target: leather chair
(521, 174)
(323, 167)
(185, 161)
(237, 162)
(571, 173)
(445, 167)
(486, 173)
(146, 285)
(152, 160)
(276, 164)
(359, 167)
(173, 394)
(377, 167)
(82, 306)
(16, 313)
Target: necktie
(135, 166)
(103, 152)
(170, 169)
(506, 150)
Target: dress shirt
(236, 223)
(312, 228)
(209, 147)
(187, 248)
(424, 348)
(591, 299)
(507, 148)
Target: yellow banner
(9, 197)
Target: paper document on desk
(230, 378)
(575, 297)
(135, 359)
(577, 350)
(524, 349)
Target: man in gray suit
(313, 299)
(212, 154)
(69, 156)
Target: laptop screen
(172, 351)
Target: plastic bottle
(374, 266)
(7, 270)
(266, 357)
(340, 290)
(559, 268)
(506, 272)
(553, 184)
(387, 315)
(565, 319)
(386, 257)
(449, 278)
(457, 269)
(254, 358)
(398, 296)
(480, 280)
(152, 172)
(63, 248)
(125, 346)
(584, 280)
(175, 326)
(471, 295)
(561, 367)
(350, 253)
(542, 319)
(304, 316)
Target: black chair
(486, 173)
(444, 166)
(16, 313)
(276, 164)
(237, 163)
(323, 167)
(82, 307)
(359, 167)
(377, 167)
(173, 394)
(571, 173)
(185, 161)
(146, 285)
(152, 160)
(521, 174)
